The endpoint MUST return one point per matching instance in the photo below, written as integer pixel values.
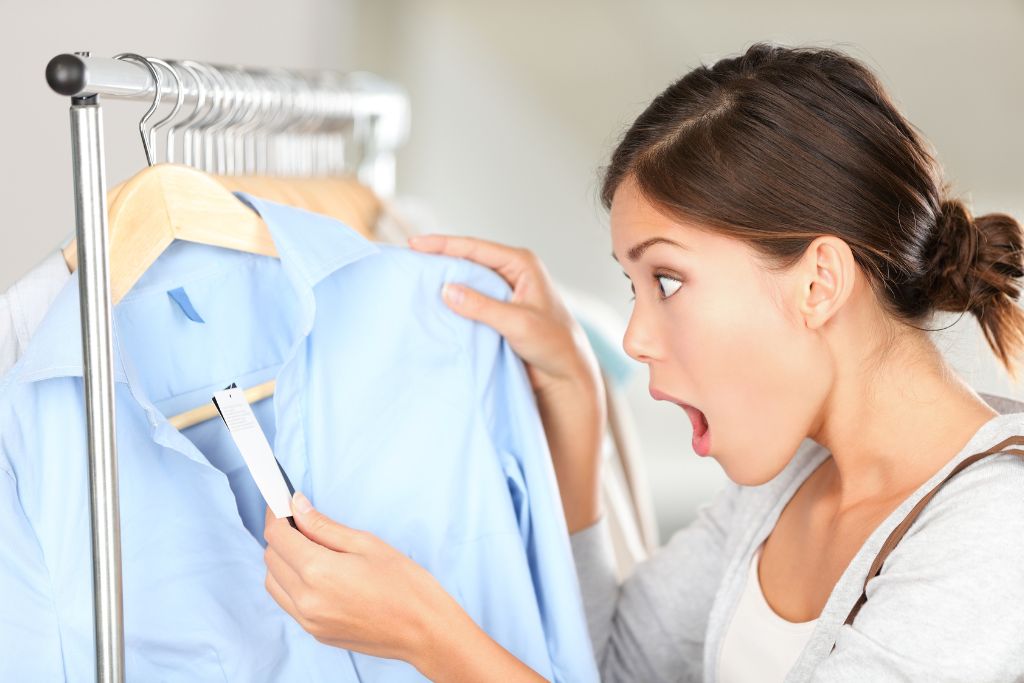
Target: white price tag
(252, 444)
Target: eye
(668, 285)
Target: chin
(746, 478)
(750, 471)
(754, 461)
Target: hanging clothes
(390, 412)
(23, 306)
(604, 329)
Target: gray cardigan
(947, 606)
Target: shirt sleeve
(509, 409)
(948, 604)
(651, 627)
(29, 636)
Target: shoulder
(401, 279)
(948, 598)
(421, 278)
(974, 523)
(986, 496)
(440, 269)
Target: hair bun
(974, 264)
(952, 259)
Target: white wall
(517, 105)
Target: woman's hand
(561, 365)
(352, 590)
(535, 322)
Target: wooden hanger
(343, 199)
(165, 202)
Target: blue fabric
(392, 413)
(180, 297)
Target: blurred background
(515, 109)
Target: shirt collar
(309, 245)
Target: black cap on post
(66, 74)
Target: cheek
(750, 370)
(729, 341)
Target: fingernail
(422, 240)
(453, 294)
(300, 503)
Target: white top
(759, 645)
(23, 306)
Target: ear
(826, 275)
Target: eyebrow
(638, 250)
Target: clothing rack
(307, 113)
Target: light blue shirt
(390, 412)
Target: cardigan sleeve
(651, 627)
(948, 604)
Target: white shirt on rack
(23, 306)
(759, 645)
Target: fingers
(507, 318)
(511, 319)
(286, 577)
(323, 530)
(507, 261)
(281, 596)
(294, 548)
(282, 582)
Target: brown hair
(781, 145)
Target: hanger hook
(281, 106)
(193, 140)
(172, 132)
(179, 100)
(156, 99)
(213, 124)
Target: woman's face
(722, 336)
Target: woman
(786, 236)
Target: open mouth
(701, 430)
(699, 421)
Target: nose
(638, 342)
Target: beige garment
(759, 646)
(626, 494)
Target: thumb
(503, 316)
(323, 530)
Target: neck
(893, 419)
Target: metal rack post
(97, 357)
